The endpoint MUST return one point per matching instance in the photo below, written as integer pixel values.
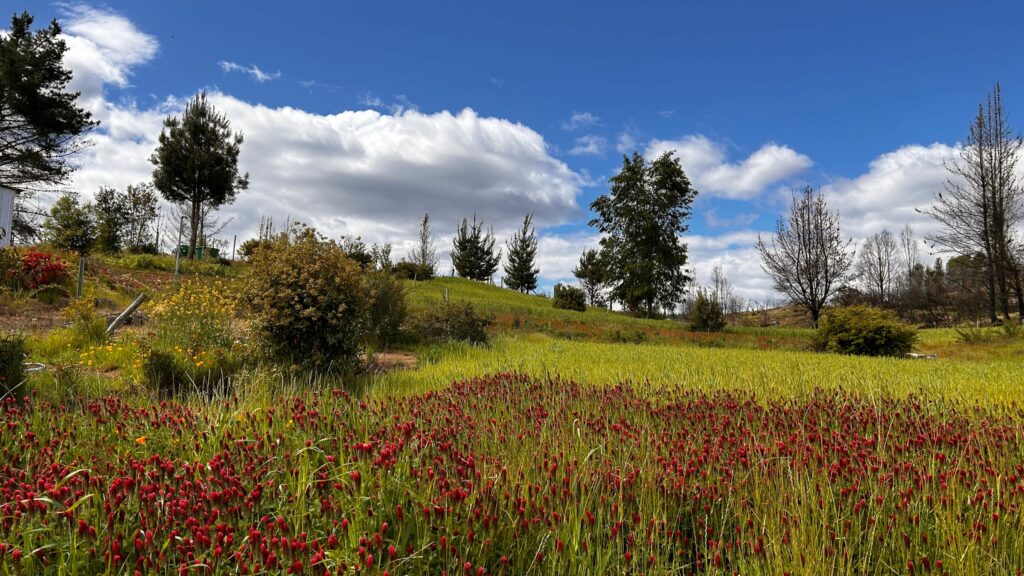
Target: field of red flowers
(509, 475)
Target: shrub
(87, 326)
(196, 315)
(864, 330)
(40, 269)
(387, 310)
(451, 322)
(10, 269)
(706, 313)
(307, 301)
(176, 373)
(412, 271)
(12, 369)
(570, 298)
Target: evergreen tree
(425, 255)
(641, 220)
(520, 269)
(473, 252)
(196, 163)
(70, 225)
(593, 276)
(41, 125)
(140, 212)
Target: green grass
(770, 374)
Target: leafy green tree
(473, 252)
(70, 225)
(196, 163)
(140, 213)
(641, 220)
(706, 312)
(593, 276)
(41, 125)
(520, 269)
(110, 213)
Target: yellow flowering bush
(195, 315)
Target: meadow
(589, 443)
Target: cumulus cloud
(735, 252)
(103, 47)
(254, 71)
(580, 120)
(589, 145)
(706, 164)
(364, 172)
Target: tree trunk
(194, 229)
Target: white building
(6, 215)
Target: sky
(358, 117)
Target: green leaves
(473, 252)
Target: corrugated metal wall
(6, 215)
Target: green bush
(86, 325)
(10, 269)
(569, 298)
(706, 313)
(308, 302)
(12, 369)
(387, 310)
(173, 373)
(865, 331)
(411, 271)
(451, 322)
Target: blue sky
(865, 99)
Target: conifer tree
(473, 252)
(520, 269)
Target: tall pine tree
(641, 220)
(521, 268)
(196, 163)
(473, 252)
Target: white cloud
(707, 167)
(360, 172)
(735, 252)
(254, 71)
(590, 145)
(626, 143)
(102, 49)
(580, 120)
(557, 255)
(400, 104)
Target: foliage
(196, 315)
(387, 310)
(308, 301)
(706, 312)
(12, 370)
(450, 322)
(865, 331)
(408, 270)
(41, 269)
(196, 163)
(356, 250)
(165, 262)
(41, 122)
(178, 373)
(641, 220)
(109, 213)
(473, 252)
(10, 269)
(569, 298)
(86, 325)
(592, 273)
(521, 266)
(806, 257)
(71, 226)
(124, 220)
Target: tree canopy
(521, 267)
(473, 251)
(641, 221)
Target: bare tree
(731, 302)
(878, 266)
(983, 204)
(425, 253)
(806, 256)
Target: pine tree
(473, 252)
(196, 163)
(425, 255)
(520, 269)
(641, 220)
(70, 226)
(110, 214)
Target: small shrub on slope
(865, 331)
(569, 298)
